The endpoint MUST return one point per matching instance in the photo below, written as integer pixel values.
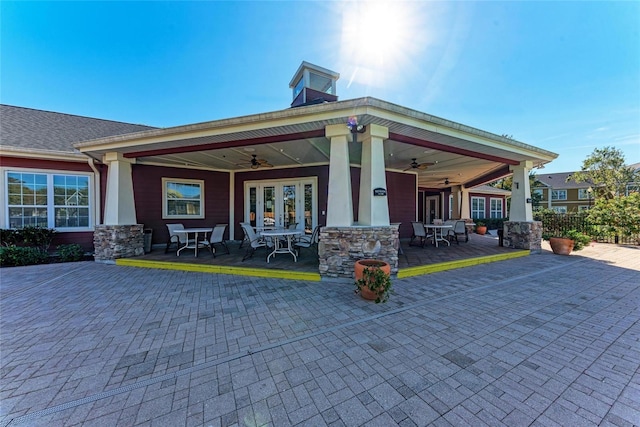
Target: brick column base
(111, 242)
(523, 235)
(340, 247)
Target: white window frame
(559, 209)
(51, 207)
(539, 191)
(559, 195)
(165, 208)
(582, 208)
(583, 194)
(483, 201)
(495, 213)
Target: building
(354, 167)
(562, 194)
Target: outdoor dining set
(439, 232)
(277, 240)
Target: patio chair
(459, 229)
(217, 238)
(254, 240)
(420, 233)
(174, 238)
(309, 240)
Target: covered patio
(412, 261)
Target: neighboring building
(354, 167)
(562, 194)
(559, 192)
(634, 187)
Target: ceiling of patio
(458, 154)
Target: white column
(461, 206)
(120, 208)
(373, 210)
(521, 210)
(465, 204)
(339, 199)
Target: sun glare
(378, 39)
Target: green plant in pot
(481, 227)
(373, 279)
(563, 243)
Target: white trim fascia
(33, 153)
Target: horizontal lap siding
(147, 189)
(321, 172)
(400, 189)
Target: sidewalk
(543, 340)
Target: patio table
(278, 247)
(438, 232)
(195, 243)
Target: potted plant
(567, 241)
(481, 228)
(373, 279)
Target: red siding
(147, 189)
(17, 162)
(400, 191)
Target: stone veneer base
(523, 235)
(340, 247)
(111, 242)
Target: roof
(487, 189)
(29, 129)
(559, 181)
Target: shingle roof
(559, 180)
(37, 129)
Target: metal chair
(174, 238)
(419, 232)
(254, 240)
(459, 229)
(309, 240)
(217, 238)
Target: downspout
(96, 184)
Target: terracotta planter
(481, 229)
(561, 246)
(359, 268)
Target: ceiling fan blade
(423, 166)
(266, 165)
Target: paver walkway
(542, 340)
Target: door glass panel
(308, 208)
(268, 212)
(289, 205)
(253, 206)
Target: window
(559, 209)
(632, 188)
(540, 192)
(583, 208)
(583, 194)
(559, 195)
(51, 200)
(182, 198)
(477, 207)
(496, 208)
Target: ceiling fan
(416, 165)
(447, 182)
(257, 163)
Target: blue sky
(563, 76)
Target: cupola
(313, 85)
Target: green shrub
(10, 237)
(11, 256)
(71, 252)
(39, 237)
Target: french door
(282, 203)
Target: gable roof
(487, 189)
(559, 181)
(30, 129)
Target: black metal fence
(557, 223)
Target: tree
(619, 215)
(606, 171)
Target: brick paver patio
(542, 340)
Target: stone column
(521, 231)
(373, 209)
(120, 236)
(339, 199)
